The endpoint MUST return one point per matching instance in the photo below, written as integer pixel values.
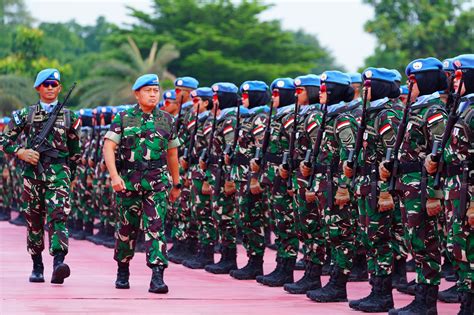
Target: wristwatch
(177, 186)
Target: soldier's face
(148, 96)
(49, 90)
(323, 97)
(456, 83)
(415, 92)
(302, 96)
(170, 106)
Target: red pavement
(90, 289)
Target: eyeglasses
(323, 88)
(245, 95)
(196, 100)
(300, 90)
(275, 93)
(52, 83)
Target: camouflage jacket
(187, 115)
(426, 123)
(143, 137)
(460, 148)
(64, 138)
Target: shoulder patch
(434, 118)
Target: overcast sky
(338, 24)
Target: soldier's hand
(206, 188)
(255, 188)
(230, 188)
(103, 167)
(385, 201)
(347, 170)
(342, 196)
(433, 206)
(310, 196)
(6, 174)
(202, 165)
(384, 173)
(470, 215)
(91, 163)
(89, 181)
(305, 171)
(430, 165)
(254, 167)
(227, 159)
(117, 183)
(29, 156)
(186, 182)
(283, 172)
(183, 163)
(174, 194)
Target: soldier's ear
(136, 94)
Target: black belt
(51, 160)
(240, 159)
(364, 170)
(274, 158)
(410, 167)
(323, 168)
(453, 169)
(213, 160)
(142, 165)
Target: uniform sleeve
(8, 143)
(436, 124)
(346, 129)
(115, 132)
(74, 133)
(173, 141)
(387, 131)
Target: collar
(48, 107)
(334, 107)
(377, 103)
(355, 102)
(466, 102)
(426, 98)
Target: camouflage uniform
(143, 141)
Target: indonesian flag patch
(343, 124)
(228, 129)
(191, 123)
(77, 124)
(207, 129)
(435, 118)
(257, 130)
(384, 129)
(289, 122)
(311, 126)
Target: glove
(347, 170)
(255, 188)
(310, 196)
(227, 159)
(254, 167)
(229, 188)
(430, 165)
(6, 174)
(385, 201)
(470, 215)
(283, 172)
(206, 188)
(183, 163)
(28, 155)
(384, 173)
(433, 206)
(342, 196)
(186, 182)
(305, 171)
(202, 165)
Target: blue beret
(225, 87)
(404, 90)
(283, 83)
(398, 75)
(464, 61)
(257, 86)
(144, 80)
(161, 104)
(336, 77)
(47, 74)
(186, 82)
(169, 95)
(85, 112)
(356, 77)
(202, 92)
(5, 120)
(422, 65)
(448, 64)
(307, 80)
(379, 74)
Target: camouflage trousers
(145, 210)
(202, 215)
(252, 218)
(50, 201)
(424, 240)
(284, 220)
(224, 214)
(184, 224)
(85, 208)
(377, 227)
(460, 246)
(310, 227)
(398, 240)
(341, 227)
(105, 202)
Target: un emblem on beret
(56, 75)
(168, 94)
(324, 76)
(446, 64)
(368, 74)
(246, 87)
(180, 82)
(193, 93)
(280, 84)
(297, 82)
(457, 63)
(215, 88)
(418, 65)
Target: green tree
(407, 30)
(15, 92)
(111, 80)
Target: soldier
(458, 181)
(420, 202)
(147, 149)
(377, 132)
(5, 179)
(46, 192)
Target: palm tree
(15, 92)
(111, 81)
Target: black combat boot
(327, 266)
(381, 299)
(447, 270)
(204, 257)
(424, 303)
(19, 220)
(70, 224)
(123, 274)
(175, 253)
(467, 303)
(409, 288)
(97, 238)
(411, 265)
(311, 280)
(354, 304)
(300, 264)
(60, 270)
(268, 239)
(449, 295)
(359, 269)
(334, 291)
(227, 263)
(78, 232)
(5, 214)
(282, 274)
(250, 271)
(157, 284)
(399, 276)
(38, 269)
